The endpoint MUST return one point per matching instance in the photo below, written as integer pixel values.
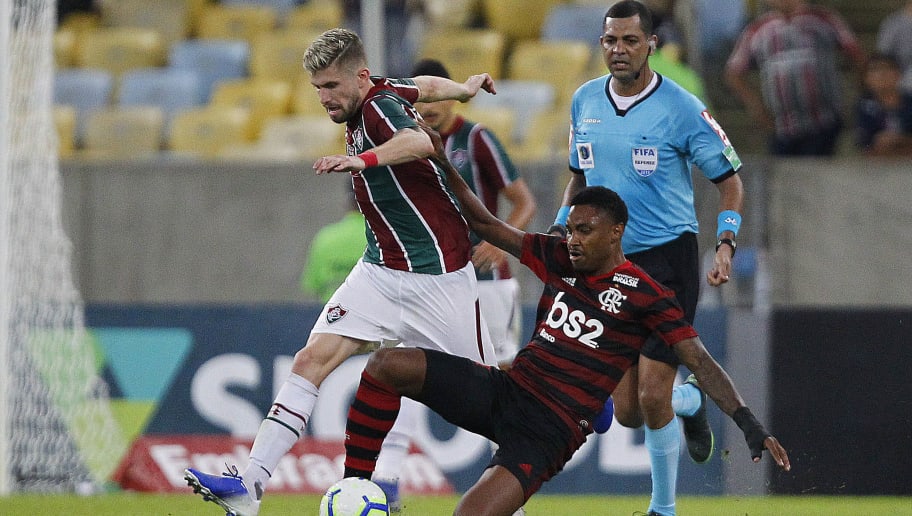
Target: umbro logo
(570, 281)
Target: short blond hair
(334, 46)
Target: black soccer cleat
(697, 432)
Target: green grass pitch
(135, 504)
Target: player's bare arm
(731, 197)
(433, 89)
(406, 145)
(482, 221)
(716, 383)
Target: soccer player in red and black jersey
(596, 311)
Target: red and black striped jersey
(589, 330)
(413, 220)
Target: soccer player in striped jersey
(414, 285)
(596, 312)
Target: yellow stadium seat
(242, 22)
(65, 124)
(124, 132)
(207, 131)
(170, 18)
(304, 98)
(517, 19)
(279, 54)
(263, 98)
(497, 119)
(547, 138)
(118, 49)
(65, 48)
(466, 52)
(451, 14)
(563, 64)
(315, 16)
(311, 136)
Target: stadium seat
(281, 7)
(304, 99)
(563, 64)
(517, 19)
(65, 124)
(86, 89)
(451, 14)
(64, 48)
(315, 15)
(214, 60)
(206, 131)
(499, 120)
(170, 89)
(241, 22)
(547, 138)
(466, 52)
(263, 98)
(311, 136)
(118, 49)
(525, 98)
(170, 18)
(124, 132)
(278, 54)
(574, 22)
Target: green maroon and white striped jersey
(485, 166)
(413, 222)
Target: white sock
(281, 429)
(395, 447)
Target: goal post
(57, 431)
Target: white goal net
(57, 432)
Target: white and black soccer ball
(354, 497)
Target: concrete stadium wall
(832, 232)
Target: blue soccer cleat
(391, 490)
(603, 422)
(227, 490)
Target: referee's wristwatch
(728, 241)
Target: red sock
(370, 418)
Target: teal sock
(685, 400)
(664, 446)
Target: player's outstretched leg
(227, 490)
(697, 432)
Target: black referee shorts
(676, 265)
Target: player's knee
(627, 415)
(653, 398)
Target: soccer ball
(354, 497)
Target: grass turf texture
(135, 504)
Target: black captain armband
(754, 433)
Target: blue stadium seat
(214, 60)
(584, 23)
(86, 89)
(170, 89)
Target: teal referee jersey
(645, 154)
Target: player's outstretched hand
(758, 438)
(482, 81)
(777, 451)
(338, 163)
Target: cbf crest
(645, 160)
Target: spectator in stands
(334, 250)
(795, 47)
(884, 112)
(894, 38)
